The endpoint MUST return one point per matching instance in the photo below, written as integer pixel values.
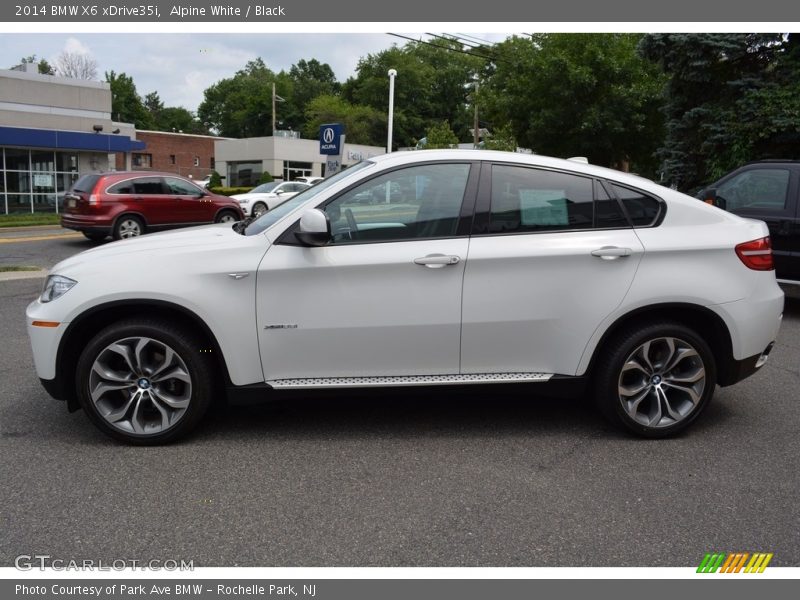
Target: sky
(179, 66)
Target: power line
(490, 58)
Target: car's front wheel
(144, 381)
(227, 216)
(259, 208)
(655, 380)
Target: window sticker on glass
(544, 208)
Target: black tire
(147, 418)
(663, 388)
(226, 216)
(128, 226)
(95, 237)
(259, 208)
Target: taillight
(757, 254)
(94, 199)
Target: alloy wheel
(140, 385)
(661, 382)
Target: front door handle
(437, 261)
(611, 252)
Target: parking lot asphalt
(485, 478)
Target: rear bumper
(742, 369)
(83, 224)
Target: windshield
(264, 188)
(269, 218)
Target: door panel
(360, 310)
(531, 302)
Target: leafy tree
(362, 124)
(310, 79)
(577, 94)
(501, 139)
(720, 88)
(440, 135)
(265, 178)
(126, 104)
(241, 106)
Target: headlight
(243, 201)
(56, 286)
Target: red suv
(126, 204)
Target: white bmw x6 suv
(471, 268)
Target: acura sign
(330, 139)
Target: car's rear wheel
(227, 216)
(128, 226)
(655, 380)
(145, 381)
(259, 208)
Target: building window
(172, 159)
(244, 174)
(35, 180)
(142, 161)
(293, 169)
(196, 161)
(211, 164)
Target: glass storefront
(35, 180)
(244, 174)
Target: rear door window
(149, 186)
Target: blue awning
(22, 137)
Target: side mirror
(315, 228)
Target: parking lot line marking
(39, 238)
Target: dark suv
(126, 204)
(768, 191)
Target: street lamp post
(392, 75)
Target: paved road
(496, 479)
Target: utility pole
(476, 124)
(273, 109)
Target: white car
(477, 268)
(268, 195)
(310, 180)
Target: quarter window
(525, 199)
(642, 209)
(413, 203)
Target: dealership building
(52, 130)
(285, 156)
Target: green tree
(440, 135)
(310, 79)
(502, 139)
(126, 104)
(577, 94)
(241, 106)
(432, 85)
(362, 124)
(717, 91)
(265, 178)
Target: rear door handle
(437, 261)
(611, 252)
